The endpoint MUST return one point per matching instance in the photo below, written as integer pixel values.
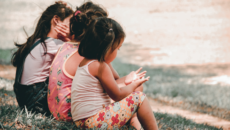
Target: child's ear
(56, 19)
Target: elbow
(116, 77)
(116, 98)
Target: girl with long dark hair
(33, 59)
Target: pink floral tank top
(60, 82)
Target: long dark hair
(102, 34)
(81, 20)
(41, 31)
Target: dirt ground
(7, 72)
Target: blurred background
(183, 44)
(174, 32)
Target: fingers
(141, 76)
(63, 26)
(143, 79)
(137, 71)
(142, 73)
(61, 29)
(147, 79)
(62, 34)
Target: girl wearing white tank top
(94, 85)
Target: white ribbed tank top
(87, 94)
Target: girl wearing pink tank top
(59, 88)
(67, 60)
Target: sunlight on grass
(177, 83)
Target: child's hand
(141, 80)
(63, 32)
(134, 75)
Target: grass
(174, 83)
(5, 55)
(11, 117)
(182, 83)
(175, 122)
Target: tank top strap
(90, 62)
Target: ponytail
(82, 18)
(103, 35)
(106, 44)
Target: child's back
(88, 96)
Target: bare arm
(120, 81)
(106, 78)
(115, 74)
(123, 81)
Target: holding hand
(63, 32)
(134, 75)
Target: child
(33, 59)
(94, 84)
(67, 60)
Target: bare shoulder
(103, 65)
(96, 67)
(94, 64)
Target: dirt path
(7, 72)
(196, 117)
